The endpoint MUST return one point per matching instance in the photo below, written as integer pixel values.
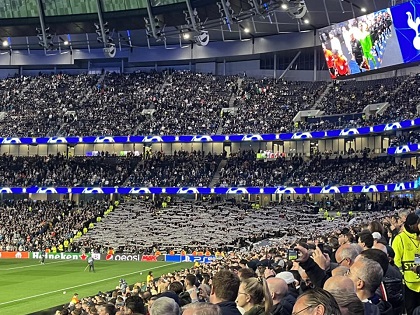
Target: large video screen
(381, 39)
(406, 23)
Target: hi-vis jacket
(406, 246)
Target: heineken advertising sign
(65, 256)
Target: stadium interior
(195, 137)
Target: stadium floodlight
(295, 8)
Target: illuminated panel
(217, 190)
(360, 45)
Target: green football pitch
(26, 286)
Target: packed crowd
(197, 169)
(115, 105)
(410, 137)
(352, 171)
(354, 96)
(190, 103)
(352, 265)
(58, 170)
(38, 106)
(37, 225)
(244, 169)
(267, 106)
(160, 103)
(236, 225)
(182, 169)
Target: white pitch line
(82, 285)
(29, 266)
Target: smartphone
(292, 254)
(321, 246)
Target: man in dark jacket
(283, 302)
(366, 275)
(224, 291)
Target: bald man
(339, 283)
(343, 290)
(283, 302)
(381, 247)
(339, 271)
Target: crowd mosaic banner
(339, 189)
(336, 133)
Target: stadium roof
(74, 20)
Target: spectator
(365, 239)
(343, 290)
(165, 306)
(254, 296)
(283, 302)
(318, 299)
(202, 309)
(406, 246)
(224, 291)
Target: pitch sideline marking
(85, 284)
(49, 263)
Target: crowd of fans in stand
(36, 225)
(115, 105)
(158, 103)
(349, 267)
(351, 171)
(197, 169)
(58, 170)
(266, 106)
(354, 96)
(244, 169)
(38, 106)
(182, 169)
(405, 138)
(190, 103)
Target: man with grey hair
(366, 275)
(165, 306)
(202, 309)
(345, 256)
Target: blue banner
(407, 148)
(190, 258)
(337, 133)
(212, 190)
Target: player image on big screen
(361, 44)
